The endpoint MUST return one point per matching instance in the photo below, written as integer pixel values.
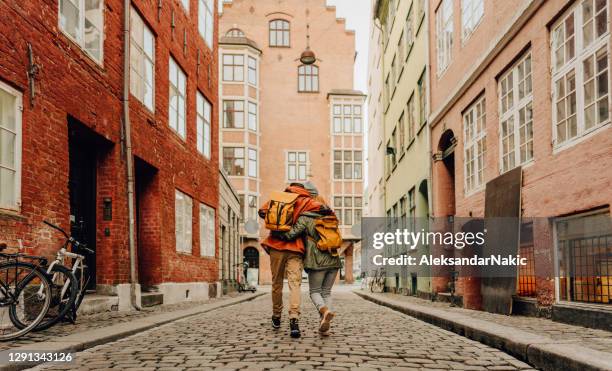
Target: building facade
(404, 124)
(307, 125)
(61, 85)
(525, 84)
(230, 252)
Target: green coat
(314, 259)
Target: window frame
(203, 125)
(252, 162)
(444, 23)
(352, 208)
(284, 33)
(184, 247)
(79, 39)
(308, 76)
(297, 164)
(476, 6)
(574, 64)
(172, 88)
(252, 69)
(17, 131)
(233, 67)
(472, 142)
(233, 111)
(206, 29)
(134, 14)
(207, 231)
(235, 32)
(234, 158)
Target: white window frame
(232, 68)
(252, 70)
(206, 21)
(203, 124)
(574, 64)
(252, 122)
(444, 35)
(183, 221)
(341, 211)
(252, 163)
(144, 59)
(344, 162)
(472, 12)
(177, 116)
(475, 141)
(207, 231)
(238, 124)
(17, 131)
(296, 164)
(509, 88)
(79, 38)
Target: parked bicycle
(377, 283)
(243, 284)
(68, 285)
(25, 293)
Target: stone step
(96, 303)
(151, 299)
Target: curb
(90, 338)
(539, 351)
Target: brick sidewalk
(104, 319)
(590, 338)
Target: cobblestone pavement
(365, 336)
(587, 337)
(99, 320)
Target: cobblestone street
(365, 336)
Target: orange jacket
(304, 203)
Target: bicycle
(377, 284)
(68, 285)
(25, 293)
(243, 285)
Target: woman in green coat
(321, 266)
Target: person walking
(286, 260)
(322, 266)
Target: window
(409, 38)
(394, 146)
(252, 163)
(422, 99)
(401, 126)
(178, 90)
(233, 160)
(308, 78)
(474, 129)
(348, 209)
(471, 14)
(516, 115)
(206, 21)
(83, 21)
(252, 71)
(207, 231)
(347, 118)
(233, 114)
(348, 164)
(183, 221)
(233, 67)
(10, 148)
(297, 164)
(185, 4)
(387, 89)
(411, 210)
(142, 61)
(203, 125)
(444, 35)
(581, 81)
(234, 32)
(411, 118)
(252, 116)
(279, 33)
(252, 208)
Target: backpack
(279, 216)
(330, 239)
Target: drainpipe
(429, 144)
(128, 151)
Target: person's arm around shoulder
(296, 230)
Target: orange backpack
(330, 239)
(279, 216)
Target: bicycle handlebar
(56, 228)
(70, 238)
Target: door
(82, 189)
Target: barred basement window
(83, 22)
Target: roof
(345, 92)
(232, 40)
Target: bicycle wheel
(82, 279)
(25, 294)
(63, 295)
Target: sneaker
(326, 322)
(295, 328)
(276, 322)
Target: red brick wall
(71, 84)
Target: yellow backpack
(279, 216)
(330, 239)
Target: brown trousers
(288, 262)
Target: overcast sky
(357, 14)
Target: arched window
(308, 78)
(234, 32)
(279, 32)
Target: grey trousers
(320, 283)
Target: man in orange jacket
(287, 257)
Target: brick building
(284, 121)
(527, 84)
(64, 158)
